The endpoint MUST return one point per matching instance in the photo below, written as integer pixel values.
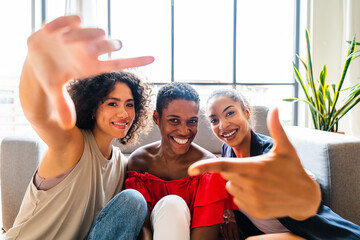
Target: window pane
(13, 41)
(13, 50)
(270, 96)
(94, 11)
(265, 36)
(203, 40)
(54, 9)
(144, 27)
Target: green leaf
(354, 91)
(291, 99)
(310, 70)
(346, 66)
(341, 112)
(357, 43)
(300, 81)
(322, 76)
(303, 62)
(321, 90)
(315, 110)
(328, 97)
(353, 55)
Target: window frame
(234, 82)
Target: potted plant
(321, 97)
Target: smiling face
(178, 125)
(229, 122)
(115, 115)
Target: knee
(133, 201)
(174, 204)
(171, 215)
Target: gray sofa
(333, 158)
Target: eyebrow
(227, 108)
(118, 100)
(213, 115)
(176, 116)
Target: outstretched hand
(62, 51)
(272, 185)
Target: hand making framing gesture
(268, 186)
(62, 51)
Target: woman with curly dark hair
(76, 191)
(88, 94)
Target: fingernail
(117, 44)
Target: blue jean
(121, 218)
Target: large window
(247, 45)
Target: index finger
(120, 64)
(63, 21)
(245, 166)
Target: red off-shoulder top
(205, 194)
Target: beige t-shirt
(68, 210)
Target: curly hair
(89, 93)
(173, 91)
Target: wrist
(229, 216)
(310, 205)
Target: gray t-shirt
(67, 210)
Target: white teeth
(229, 134)
(181, 141)
(121, 124)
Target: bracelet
(229, 216)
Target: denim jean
(121, 218)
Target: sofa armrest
(20, 156)
(335, 160)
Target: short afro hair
(173, 91)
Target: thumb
(281, 141)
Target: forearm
(208, 232)
(34, 102)
(39, 107)
(44, 99)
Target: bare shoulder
(139, 160)
(201, 153)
